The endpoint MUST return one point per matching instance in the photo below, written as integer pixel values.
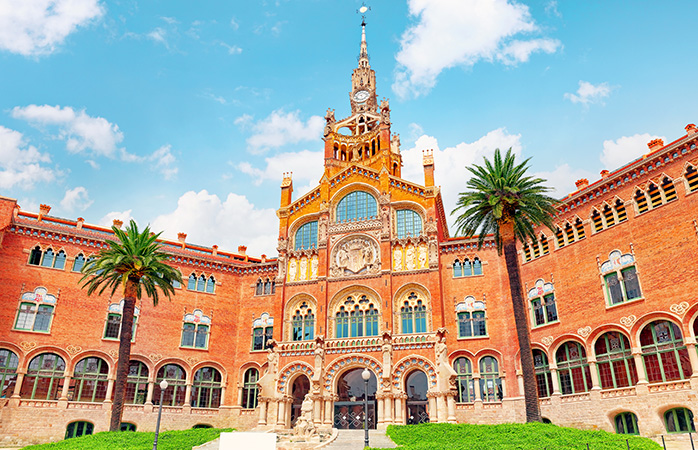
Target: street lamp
(366, 375)
(163, 386)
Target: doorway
(349, 411)
(416, 387)
(301, 386)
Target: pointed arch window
(664, 352)
(413, 315)
(409, 223)
(641, 202)
(201, 283)
(457, 269)
(306, 236)
(357, 316)
(464, 380)
(303, 323)
(668, 190)
(467, 268)
(490, 382)
(615, 361)
(691, 177)
(356, 206)
(35, 256)
(620, 278)
(259, 289)
(269, 287)
(79, 262)
(342, 323)
(573, 368)
(471, 318)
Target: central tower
(364, 137)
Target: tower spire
(363, 53)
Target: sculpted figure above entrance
(353, 256)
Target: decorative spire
(363, 54)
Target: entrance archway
(301, 386)
(417, 403)
(349, 408)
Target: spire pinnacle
(363, 54)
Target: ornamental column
(399, 417)
(692, 355)
(556, 381)
(433, 411)
(379, 414)
(281, 416)
(110, 389)
(149, 395)
(451, 404)
(639, 366)
(329, 415)
(476, 387)
(18, 385)
(594, 371)
(262, 411)
(387, 409)
(317, 409)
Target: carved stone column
(262, 411)
(66, 388)
(556, 381)
(222, 396)
(281, 416)
(520, 382)
(476, 387)
(110, 389)
(18, 385)
(693, 356)
(451, 403)
(317, 409)
(400, 408)
(594, 371)
(433, 409)
(329, 414)
(387, 409)
(379, 413)
(639, 366)
(149, 395)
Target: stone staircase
(354, 440)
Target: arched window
(543, 305)
(621, 213)
(596, 221)
(608, 215)
(206, 388)
(620, 278)
(35, 256)
(477, 267)
(457, 269)
(35, 311)
(615, 361)
(413, 315)
(464, 380)
(195, 330)
(177, 386)
(47, 261)
(201, 283)
(573, 368)
(262, 331)
(490, 383)
(691, 177)
(579, 229)
(626, 423)
(90, 378)
(471, 318)
(269, 287)
(79, 428)
(641, 202)
(668, 189)
(59, 262)
(306, 236)
(79, 263)
(8, 373)
(44, 378)
(249, 389)
(544, 379)
(342, 319)
(664, 353)
(112, 327)
(210, 284)
(128, 426)
(655, 195)
(191, 285)
(136, 383)
(259, 289)
(303, 323)
(679, 420)
(357, 205)
(409, 223)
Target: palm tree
(135, 264)
(503, 201)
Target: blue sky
(185, 114)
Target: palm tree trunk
(522, 330)
(117, 408)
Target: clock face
(361, 96)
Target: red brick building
(367, 275)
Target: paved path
(354, 440)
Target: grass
(510, 436)
(135, 440)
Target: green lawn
(130, 440)
(531, 436)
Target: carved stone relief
(411, 256)
(355, 255)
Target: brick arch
(660, 410)
(46, 349)
(292, 371)
(351, 187)
(290, 308)
(215, 365)
(648, 318)
(557, 343)
(407, 365)
(412, 206)
(14, 348)
(149, 364)
(401, 295)
(333, 305)
(460, 352)
(111, 362)
(600, 330)
(299, 222)
(351, 361)
(180, 362)
(690, 318)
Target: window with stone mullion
(664, 354)
(615, 362)
(464, 380)
(136, 383)
(8, 372)
(573, 369)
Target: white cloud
(232, 49)
(37, 27)
(82, 133)
(92, 164)
(209, 220)
(280, 129)
(124, 216)
(450, 163)
(306, 165)
(233, 24)
(625, 149)
(21, 164)
(562, 179)
(453, 33)
(29, 205)
(76, 199)
(163, 161)
(159, 35)
(588, 93)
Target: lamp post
(163, 386)
(366, 375)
